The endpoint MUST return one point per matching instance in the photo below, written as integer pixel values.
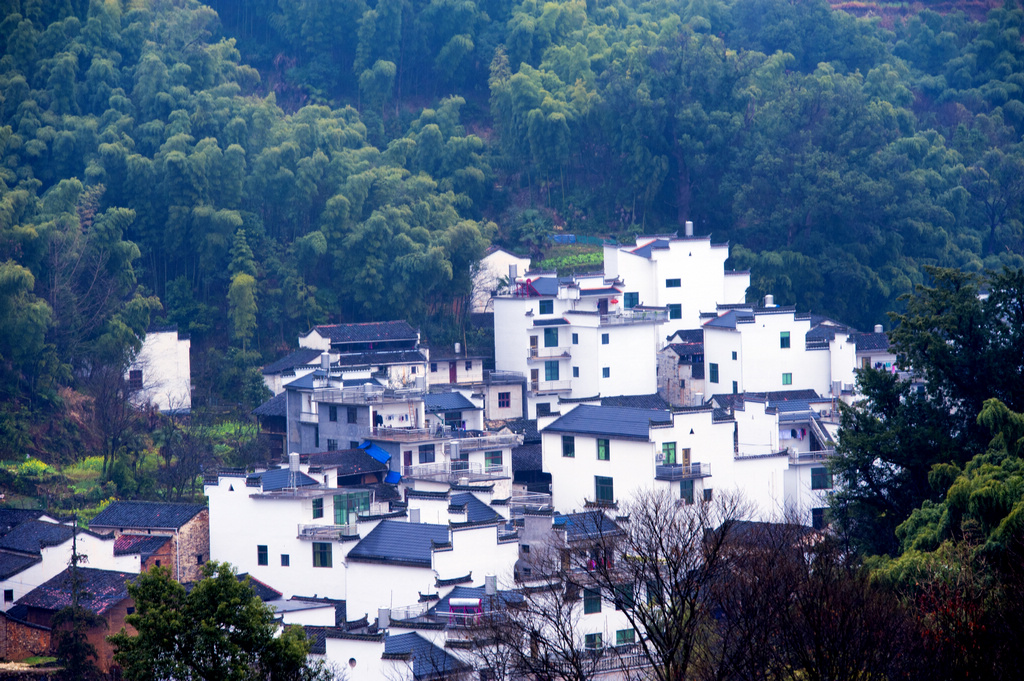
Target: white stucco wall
(166, 371)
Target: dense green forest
(247, 170)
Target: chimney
(490, 585)
(414, 515)
(769, 300)
(325, 361)
(689, 228)
(878, 328)
(383, 618)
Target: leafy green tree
(218, 629)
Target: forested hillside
(288, 162)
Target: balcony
(634, 317)
(560, 352)
(455, 471)
(816, 456)
(678, 471)
(541, 387)
(309, 417)
(404, 434)
(370, 393)
(327, 532)
(471, 441)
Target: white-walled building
(161, 373)
(762, 349)
(496, 266)
(683, 274)
(573, 338)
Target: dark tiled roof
(776, 396)
(755, 533)
(653, 401)
(525, 427)
(871, 341)
(11, 517)
(476, 510)
(13, 563)
(558, 321)
(281, 478)
(527, 458)
(383, 491)
(143, 544)
(546, 286)
(300, 357)
(645, 251)
(146, 514)
(623, 422)
(275, 406)
(503, 597)
(31, 536)
(367, 333)
(440, 402)
(688, 336)
(263, 591)
(605, 291)
(100, 589)
(346, 462)
(588, 525)
(400, 543)
(428, 661)
(730, 319)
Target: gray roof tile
(623, 422)
(434, 403)
(146, 514)
(428, 661)
(300, 357)
(281, 478)
(476, 510)
(369, 332)
(400, 543)
(100, 589)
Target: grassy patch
(39, 661)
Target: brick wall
(115, 622)
(194, 546)
(20, 640)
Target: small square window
(787, 379)
(592, 641)
(713, 373)
(547, 307)
(129, 610)
(603, 453)
(433, 367)
(604, 489)
(672, 283)
(426, 453)
(784, 339)
(575, 372)
(543, 409)
(630, 299)
(625, 637)
(199, 559)
(492, 460)
(332, 445)
(707, 495)
(8, 595)
(818, 519)
(568, 446)
(135, 380)
(353, 444)
(286, 560)
(318, 508)
(525, 548)
(735, 387)
(604, 339)
(332, 413)
(551, 338)
(353, 414)
(734, 354)
(575, 339)
(412, 370)
(606, 372)
(675, 311)
(469, 365)
(686, 491)
(158, 563)
(551, 370)
(504, 400)
(591, 602)
(261, 555)
(821, 478)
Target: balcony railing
(469, 441)
(678, 471)
(549, 353)
(403, 434)
(327, 532)
(634, 317)
(550, 386)
(818, 455)
(309, 417)
(368, 394)
(454, 471)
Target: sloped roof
(434, 403)
(527, 458)
(688, 336)
(871, 341)
(603, 291)
(428, 661)
(557, 321)
(346, 462)
(652, 401)
(32, 535)
(275, 406)
(400, 543)
(99, 590)
(476, 510)
(368, 332)
(460, 591)
(143, 544)
(300, 357)
(146, 514)
(545, 286)
(645, 251)
(281, 478)
(730, 319)
(11, 517)
(13, 563)
(587, 525)
(622, 422)
(263, 591)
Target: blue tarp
(393, 478)
(375, 451)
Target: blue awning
(393, 478)
(375, 451)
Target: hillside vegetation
(248, 174)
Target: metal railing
(455, 470)
(818, 455)
(367, 394)
(678, 471)
(633, 317)
(549, 353)
(327, 532)
(550, 386)
(309, 417)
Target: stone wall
(193, 548)
(20, 640)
